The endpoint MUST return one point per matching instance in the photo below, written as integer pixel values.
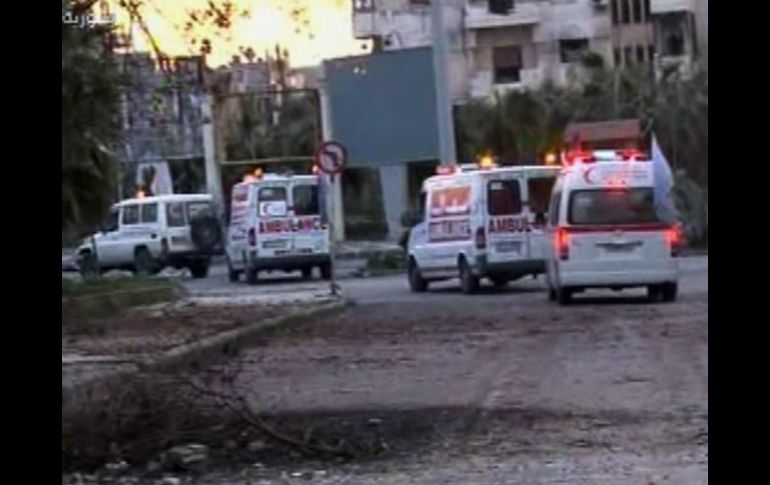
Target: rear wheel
(669, 292)
(144, 264)
(468, 281)
(232, 275)
(500, 281)
(326, 271)
(654, 293)
(417, 283)
(199, 269)
(252, 276)
(551, 294)
(564, 295)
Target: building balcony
(478, 16)
(671, 6)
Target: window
(149, 213)
(572, 50)
(450, 201)
(272, 202)
(306, 201)
(628, 55)
(640, 54)
(540, 191)
(112, 223)
(175, 214)
(611, 207)
(504, 198)
(131, 214)
(646, 9)
(651, 53)
(614, 10)
(507, 62)
(638, 17)
(539, 196)
(672, 26)
(618, 57)
(500, 7)
(625, 11)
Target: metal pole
(446, 132)
(213, 176)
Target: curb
(228, 343)
(208, 349)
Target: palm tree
(90, 125)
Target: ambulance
(605, 230)
(276, 225)
(479, 222)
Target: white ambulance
(481, 221)
(275, 224)
(605, 231)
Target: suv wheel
(669, 292)
(144, 264)
(307, 273)
(199, 269)
(88, 265)
(252, 276)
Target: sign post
(331, 158)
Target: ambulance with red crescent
(605, 230)
(481, 222)
(276, 225)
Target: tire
(326, 271)
(206, 234)
(669, 292)
(654, 293)
(564, 295)
(88, 265)
(252, 276)
(307, 273)
(551, 294)
(144, 264)
(469, 283)
(199, 270)
(232, 275)
(417, 283)
(500, 281)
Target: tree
(90, 123)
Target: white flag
(664, 184)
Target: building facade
(499, 45)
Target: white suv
(146, 234)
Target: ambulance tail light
(562, 243)
(632, 155)
(674, 239)
(481, 239)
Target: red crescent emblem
(587, 176)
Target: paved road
(611, 390)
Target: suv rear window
(306, 202)
(175, 214)
(149, 213)
(504, 197)
(611, 207)
(197, 209)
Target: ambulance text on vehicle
(275, 224)
(481, 221)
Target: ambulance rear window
(612, 207)
(504, 197)
(306, 202)
(272, 194)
